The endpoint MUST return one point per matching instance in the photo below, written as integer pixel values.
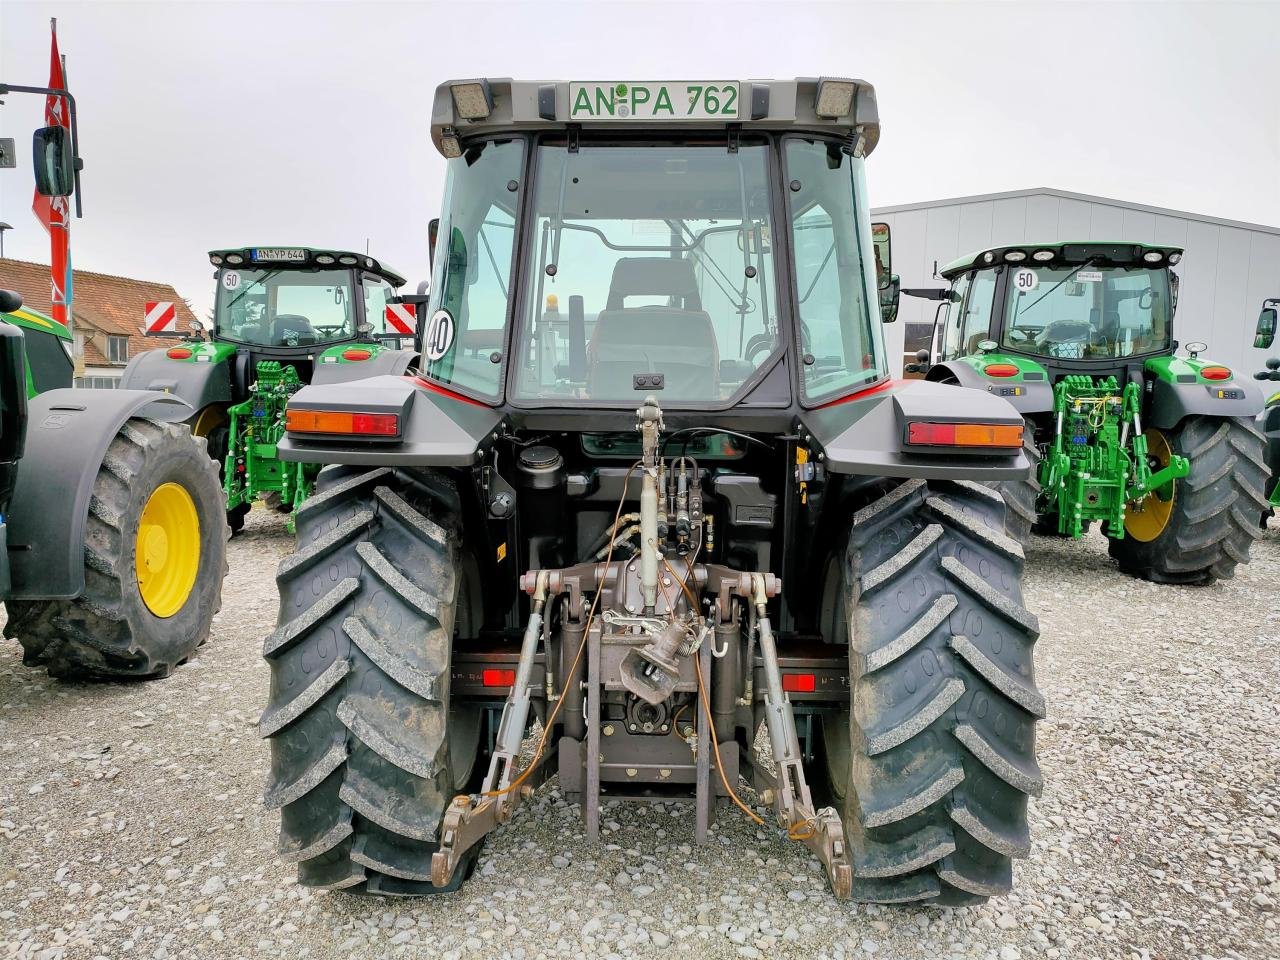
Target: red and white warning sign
(401, 318)
(161, 318)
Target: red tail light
(923, 433)
(1000, 370)
(355, 353)
(1216, 373)
(799, 682)
(338, 421)
(498, 678)
(177, 353)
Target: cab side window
(969, 320)
(376, 294)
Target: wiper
(1087, 262)
(248, 287)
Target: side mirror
(1265, 333)
(889, 299)
(433, 231)
(54, 165)
(881, 242)
(10, 301)
(1174, 283)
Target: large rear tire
(939, 754)
(359, 709)
(1207, 528)
(155, 556)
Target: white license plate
(645, 100)
(277, 254)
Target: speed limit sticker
(1026, 279)
(230, 280)
(439, 337)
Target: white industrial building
(1226, 272)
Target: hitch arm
(819, 830)
(465, 824)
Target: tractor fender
(867, 433)
(437, 428)
(199, 384)
(68, 433)
(1169, 403)
(383, 363)
(1031, 396)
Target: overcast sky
(225, 124)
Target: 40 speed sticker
(439, 336)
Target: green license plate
(679, 100)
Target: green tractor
(283, 317)
(112, 540)
(1161, 450)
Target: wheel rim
(167, 549)
(1147, 518)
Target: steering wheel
(331, 330)
(1066, 331)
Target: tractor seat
(291, 323)
(676, 340)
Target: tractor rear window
(285, 308)
(1087, 312)
(651, 270)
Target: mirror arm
(76, 163)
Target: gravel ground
(130, 823)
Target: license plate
(644, 100)
(278, 254)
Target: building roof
(1068, 195)
(104, 303)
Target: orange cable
(546, 727)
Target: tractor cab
(1071, 307)
(290, 303)
(624, 241)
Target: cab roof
(1103, 253)
(305, 257)
(519, 106)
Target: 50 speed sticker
(1026, 279)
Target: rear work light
(498, 678)
(799, 682)
(178, 353)
(356, 354)
(922, 433)
(342, 422)
(1000, 370)
(1216, 373)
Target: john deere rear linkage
(252, 465)
(1097, 462)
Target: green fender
(1177, 388)
(1029, 390)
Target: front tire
(155, 556)
(939, 753)
(359, 709)
(1212, 520)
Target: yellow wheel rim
(1147, 518)
(167, 550)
